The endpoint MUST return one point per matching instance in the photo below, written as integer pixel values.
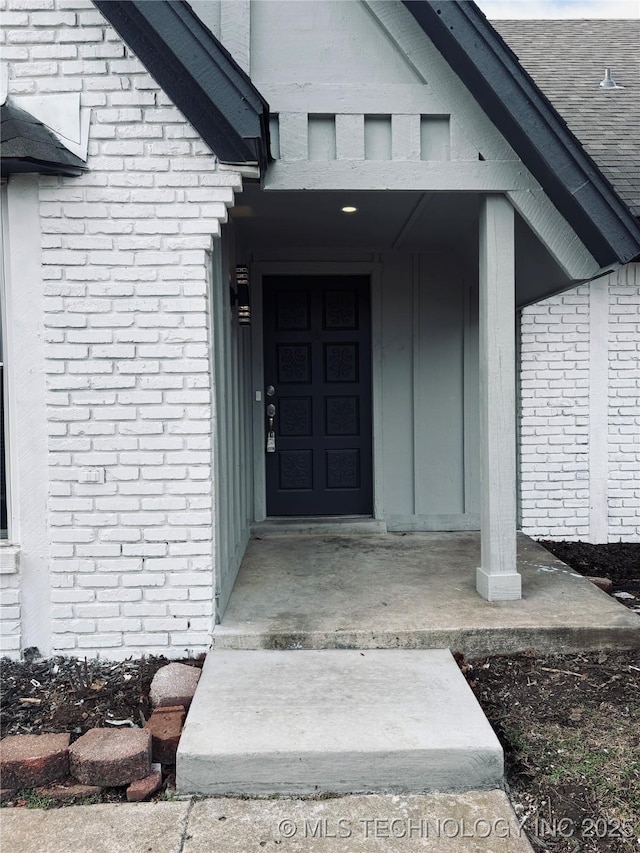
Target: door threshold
(320, 525)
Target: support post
(497, 579)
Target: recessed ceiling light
(349, 209)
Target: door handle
(271, 436)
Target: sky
(496, 9)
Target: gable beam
(408, 98)
(555, 234)
(434, 175)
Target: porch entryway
(412, 591)
(332, 669)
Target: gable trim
(197, 73)
(532, 126)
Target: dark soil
(569, 724)
(569, 728)
(619, 561)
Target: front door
(317, 357)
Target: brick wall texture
(124, 251)
(554, 425)
(10, 615)
(554, 422)
(624, 406)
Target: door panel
(317, 339)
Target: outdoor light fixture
(349, 209)
(241, 296)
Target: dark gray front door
(317, 356)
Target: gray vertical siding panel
(429, 394)
(439, 396)
(397, 407)
(234, 482)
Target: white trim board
(27, 408)
(598, 410)
(396, 98)
(424, 175)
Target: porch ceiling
(389, 220)
(274, 223)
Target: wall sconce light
(241, 296)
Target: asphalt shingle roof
(567, 59)
(28, 146)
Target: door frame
(257, 271)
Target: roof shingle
(567, 59)
(27, 145)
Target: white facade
(580, 412)
(119, 261)
(116, 305)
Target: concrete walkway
(411, 591)
(337, 720)
(475, 822)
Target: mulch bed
(619, 561)
(69, 695)
(568, 723)
(569, 728)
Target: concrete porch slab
(412, 591)
(344, 721)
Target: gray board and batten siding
(232, 450)
(424, 320)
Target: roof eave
(28, 165)
(532, 126)
(198, 74)
(28, 145)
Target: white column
(27, 439)
(497, 578)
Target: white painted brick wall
(126, 316)
(554, 379)
(555, 437)
(624, 405)
(10, 612)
